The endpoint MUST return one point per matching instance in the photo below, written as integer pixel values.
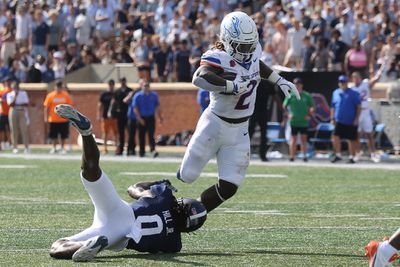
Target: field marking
(256, 212)
(204, 174)
(16, 166)
(339, 216)
(232, 229)
(390, 165)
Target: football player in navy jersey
(153, 223)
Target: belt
(234, 121)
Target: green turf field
(313, 217)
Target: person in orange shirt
(4, 110)
(57, 126)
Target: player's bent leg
(202, 147)
(215, 195)
(64, 248)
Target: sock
(338, 155)
(387, 250)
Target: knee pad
(225, 190)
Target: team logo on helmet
(234, 31)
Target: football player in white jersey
(222, 130)
(365, 125)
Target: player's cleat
(91, 247)
(79, 121)
(351, 161)
(375, 257)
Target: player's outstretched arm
(142, 189)
(209, 78)
(287, 87)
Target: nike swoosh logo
(245, 134)
(255, 60)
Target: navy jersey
(156, 229)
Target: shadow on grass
(178, 258)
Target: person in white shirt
(83, 28)
(295, 36)
(365, 124)
(18, 116)
(22, 24)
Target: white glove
(236, 87)
(286, 86)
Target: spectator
(267, 55)
(162, 27)
(141, 57)
(280, 42)
(295, 36)
(22, 24)
(83, 27)
(182, 68)
(132, 122)
(59, 65)
(91, 10)
(318, 26)
(39, 35)
(299, 113)
(119, 110)
(145, 26)
(368, 44)
(356, 59)
(55, 31)
(307, 53)
(203, 99)
(4, 112)
(196, 52)
(8, 46)
(104, 20)
(18, 116)
(212, 29)
(345, 29)
(146, 106)
(106, 116)
(160, 63)
(365, 126)
(56, 126)
(345, 113)
(337, 52)
(320, 57)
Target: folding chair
(274, 135)
(323, 135)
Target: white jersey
(234, 106)
(363, 90)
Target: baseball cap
(343, 78)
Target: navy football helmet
(191, 214)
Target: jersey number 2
(240, 104)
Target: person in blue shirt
(203, 99)
(345, 112)
(153, 223)
(146, 105)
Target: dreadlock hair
(218, 45)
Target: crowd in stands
(44, 40)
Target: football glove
(236, 87)
(286, 86)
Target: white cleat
(91, 247)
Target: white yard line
(204, 174)
(16, 166)
(393, 165)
